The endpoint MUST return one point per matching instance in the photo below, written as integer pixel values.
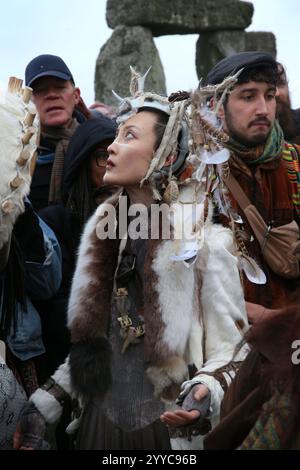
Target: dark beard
(259, 139)
(286, 120)
(254, 142)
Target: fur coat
(192, 315)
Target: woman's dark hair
(182, 140)
(81, 201)
(77, 191)
(160, 125)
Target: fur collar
(168, 292)
(172, 309)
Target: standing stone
(165, 17)
(212, 47)
(261, 41)
(127, 46)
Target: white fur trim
(223, 308)
(62, 376)
(194, 351)
(222, 299)
(47, 405)
(175, 289)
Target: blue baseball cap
(47, 65)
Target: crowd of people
(149, 277)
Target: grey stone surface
(127, 46)
(261, 41)
(165, 17)
(212, 47)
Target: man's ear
(77, 95)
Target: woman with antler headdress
(149, 305)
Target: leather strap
(56, 390)
(237, 191)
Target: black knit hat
(87, 137)
(243, 60)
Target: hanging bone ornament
(19, 134)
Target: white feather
(253, 272)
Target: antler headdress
(177, 122)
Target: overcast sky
(76, 30)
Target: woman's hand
(181, 417)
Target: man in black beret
(264, 165)
(264, 172)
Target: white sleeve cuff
(47, 405)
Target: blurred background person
(289, 119)
(82, 190)
(106, 109)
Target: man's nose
(51, 93)
(262, 107)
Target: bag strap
(244, 202)
(237, 192)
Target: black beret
(232, 64)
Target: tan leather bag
(280, 246)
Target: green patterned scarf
(267, 152)
(274, 148)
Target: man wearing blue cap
(56, 99)
(55, 94)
